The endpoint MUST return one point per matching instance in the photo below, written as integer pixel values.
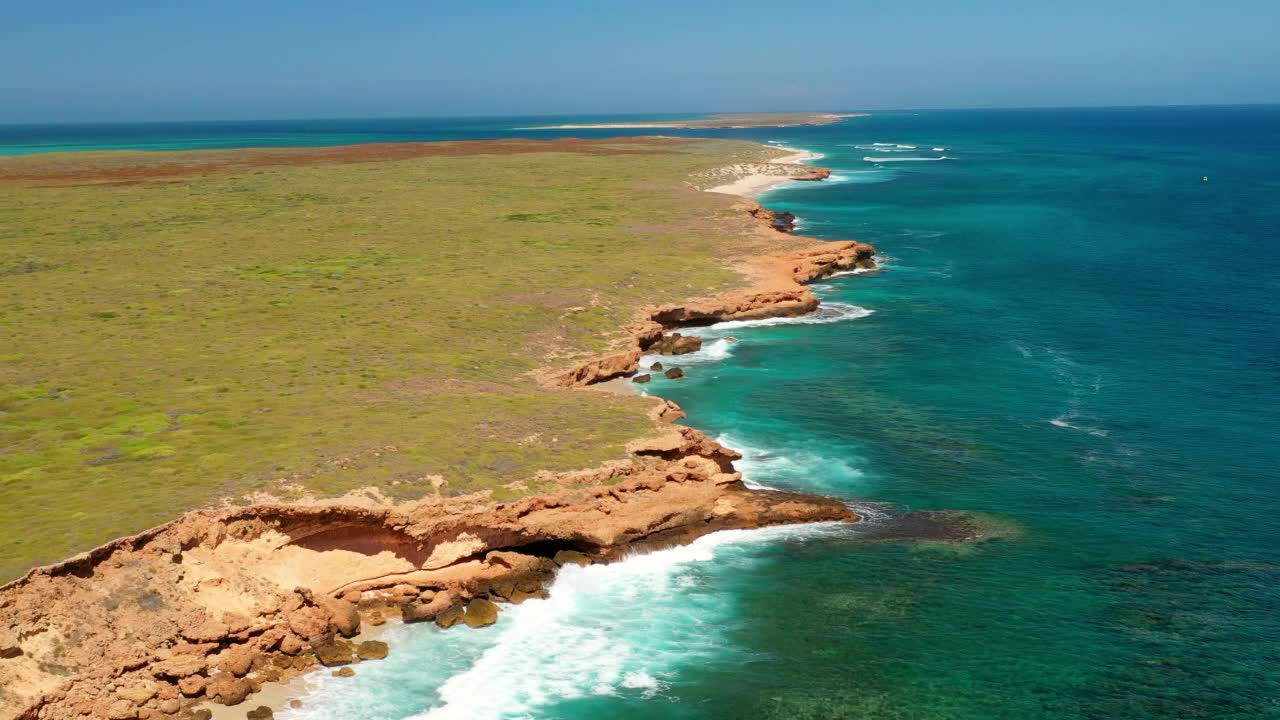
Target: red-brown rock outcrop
(676, 344)
(815, 174)
(210, 606)
(778, 292)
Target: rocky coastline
(213, 605)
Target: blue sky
(236, 59)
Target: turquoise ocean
(1075, 335)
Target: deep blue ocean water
(1075, 334)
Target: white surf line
(615, 629)
(754, 185)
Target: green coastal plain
(183, 329)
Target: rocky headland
(213, 605)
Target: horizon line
(336, 118)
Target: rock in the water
(656, 367)
(520, 596)
(502, 589)
(333, 652)
(261, 713)
(7, 653)
(677, 344)
(422, 612)
(642, 378)
(202, 714)
(572, 557)
(674, 373)
(531, 583)
(780, 221)
(480, 612)
(344, 672)
(416, 612)
(371, 650)
(376, 618)
(295, 703)
(450, 617)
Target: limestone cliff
(212, 605)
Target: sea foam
(859, 177)
(777, 468)
(618, 629)
(904, 159)
(1063, 421)
(828, 312)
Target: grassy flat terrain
(180, 328)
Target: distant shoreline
(721, 121)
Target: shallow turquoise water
(1074, 333)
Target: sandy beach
(754, 184)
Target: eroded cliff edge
(216, 603)
(210, 606)
(777, 289)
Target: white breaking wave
(904, 159)
(713, 350)
(718, 349)
(1062, 422)
(884, 148)
(858, 271)
(882, 263)
(861, 177)
(1083, 384)
(717, 344)
(614, 629)
(770, 469)
(826, 313)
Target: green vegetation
(322, 328)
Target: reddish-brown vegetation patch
(123, 167)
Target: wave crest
(905, 159)
(828, 312)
